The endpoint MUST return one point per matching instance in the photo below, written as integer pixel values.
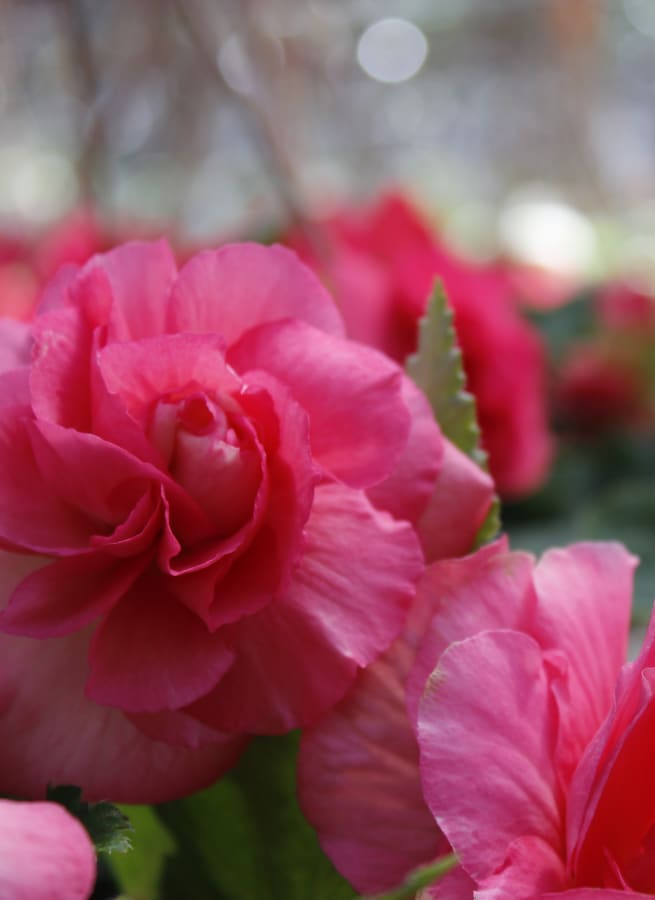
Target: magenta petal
(352, 394)
(231, 290)
(585, 597)
(140, 276)
(487, 730)
(531, 868)
(45, 853)
(358, 780)
(455, 885)
(32, 516)
(411, 484)
(347, 600)
(490, 589)
(458, 506)
(68, 594)
(15, 344)
(59, 376)
(51, 733)
(151, 653)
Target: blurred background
(525, 125)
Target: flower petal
(150, 653)
(50, 733)
(487, 729)
(231, 290)
(584, 602)
(347, 600)
(458, 506)
(352, 394)
(45, 853)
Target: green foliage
(437, 369)
(246, 837)
(420, 878)
(108, 827)
(139, 873)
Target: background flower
(381, 263)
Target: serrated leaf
(107, 826)
(437, 369)
(246, 836)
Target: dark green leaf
(108, 827)
(139, 873)
(246, 837)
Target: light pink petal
(150, 653)
(51, 733)
(487, 729)
(358, 779)
(15, 387)
(406, 492)
(45, 853)
(532, 867)
(585, 597)
(140, 276)
(239, 286)
(347, 600)
(459, 504)
(15, 344)
(490, 589)
(352, 394)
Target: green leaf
(246, 836)
(420, 878)
(139, 873)
(108, 827)
(437, 369)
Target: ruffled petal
(233, 289)
(352, 394)
(347, 600)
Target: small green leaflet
(108, 827)
(437, 369)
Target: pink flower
(211, 518)
(381, 264)
(536, 744)
(45, 853)
(359, 781)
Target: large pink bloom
(359, 771)
(536, 746)
(45, 854)
(381, 263)
(212, 513)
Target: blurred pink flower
(212, 517)
(45, 853)
(381, 263)
(536, 743)
(359, 780)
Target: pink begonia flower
(45, 853)
(213, 508)
(381, 263)
(360, 763)
(536, 743)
